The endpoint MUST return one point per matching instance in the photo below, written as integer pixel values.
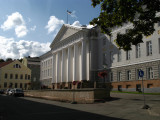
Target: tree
(8, 59)
(140, 13)
(1, 60)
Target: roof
(5, 63)
(62, 34)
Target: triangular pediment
(65, 32)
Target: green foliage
(1, 60)
(140, 13)
(8, 59)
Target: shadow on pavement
(19, 109)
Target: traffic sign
(141, 73)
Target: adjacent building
(13, 74)
(33, 63)
(46, 70)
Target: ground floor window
(16, 85)
(119, 87)
(138, 87)
(128, 86)
(150, 74)
(21, 85)
(149, 85)
(5, 84)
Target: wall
(81, 96)
(150, 86)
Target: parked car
(1, 91)
(18, 92)
(11, 92)
(7, 91)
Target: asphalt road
(17, 108)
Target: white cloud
(54, 24)
(16, 21)
(76, 23)
(33, 28)
(21, 31)
(90, 26)
(15, 50)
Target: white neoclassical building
(71, 56)
(79, 53)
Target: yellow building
(13, 74)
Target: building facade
(46, 70)
(125, 65)
(33, 63)
(79, 54)
(14, 74)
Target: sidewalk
(122, 105)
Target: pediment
(65, 32)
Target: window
(16, 76)
(119, 76)
(48, 72)
(25, 86)
(128, 56)
(29, 77)
(111, 76)
(6, 76)
(119, 56)
(104, 58)
(128, 86)
(149, 48)
(21, 85)
(11, 76)
(104, 41)
(128, 75)
(25, 76)
(119, 87)
(138, 51)
(150, 73)
(21, 77)
(111, 56)
(16, 66)
(149, 85)
(16, 85)
(138, 87)
(5, 84)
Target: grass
(135, 93)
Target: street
(16, 108)
(121, 107)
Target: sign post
(141, 74)
(74, 102)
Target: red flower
(102, 74)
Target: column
(83, 64)
(75, 62)
(59, 67)
(54, 69)
(68, 65)
(62, 66)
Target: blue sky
(27, 27)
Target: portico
(70, 55)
